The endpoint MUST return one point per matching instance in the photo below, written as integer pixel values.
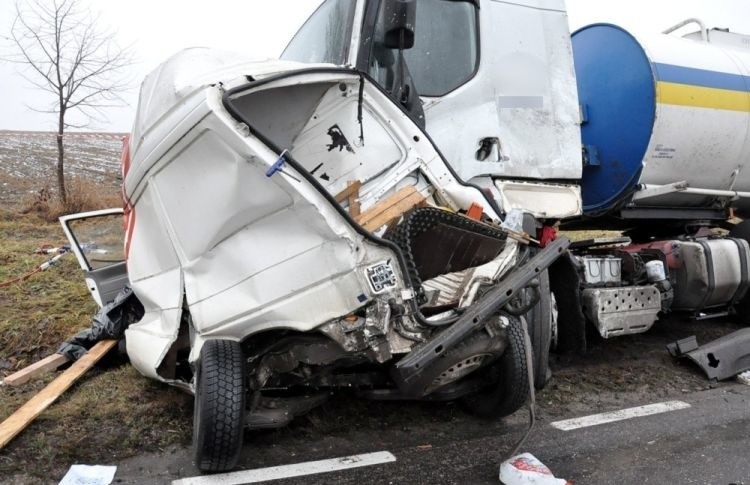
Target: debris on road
(86, 348)
(526, 469)
(89, 475)
(744, 378)
(20, 419)
(720, 359)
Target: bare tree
(67, 56)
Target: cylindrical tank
(661, 109)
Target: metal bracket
(591, 156)
(649, 191)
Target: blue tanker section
(616, 88)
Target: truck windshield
(445, 52)
(324, 38)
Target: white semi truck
(378, 209)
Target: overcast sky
(261, 28)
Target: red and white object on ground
(526, 469)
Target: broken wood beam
(390, 208)
(351, 188)
(43, 366)
(24, 415)
(354, 208)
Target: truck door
(498, 92)
(96, 238)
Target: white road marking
(288, 471)
(622, 414)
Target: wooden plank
(354, 208)
(351, 188)
(24, 415)
(43, 366)
(390, 208)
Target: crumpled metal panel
(623, 310)
(446, 289)
(720, 359)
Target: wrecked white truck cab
(291, 227)
(221, 218)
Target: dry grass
(82, 195)
(111, 413)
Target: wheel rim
(458, 370)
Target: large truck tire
(539, 319)
(509, 388)
(219, 412)
(466, 358)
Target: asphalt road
(707, 443)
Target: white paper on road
(89, 475)
(622, 414)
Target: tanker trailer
(665, 124)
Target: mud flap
(571, 322)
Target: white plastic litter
(513, 220)
(525, 469)
(744, 377)
(89, 475)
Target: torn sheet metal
(720, 359)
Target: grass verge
(111, 413)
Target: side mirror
(399, 17)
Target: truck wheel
(467, 357)
(540, 332)
(509, 388)
(219, 412)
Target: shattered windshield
(324, 38)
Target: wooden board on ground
(24, 415)
(43, 366)
(390, 208)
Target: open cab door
(96, 238)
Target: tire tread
(219, 427)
